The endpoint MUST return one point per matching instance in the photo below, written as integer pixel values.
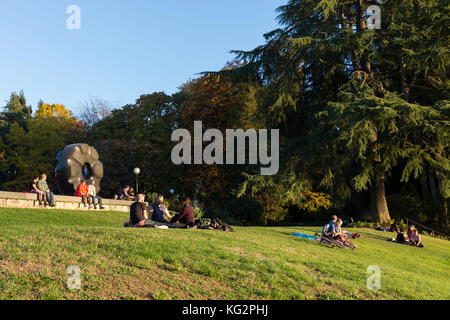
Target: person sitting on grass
(331, 224)
(415, 239)
(140, 215)
(410, 231)
(401, 237)
(93, 194)
(160, 212)
(186, 218)
(339, 235)
(34, 189)
(43, 186)
(83, 192)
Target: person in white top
(93, 195)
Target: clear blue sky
(124, 48)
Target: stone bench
(29, 200)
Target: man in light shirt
(93, 194)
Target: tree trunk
(445, 214)
(433, 190)
(379, 207)
(360, 26)
(378, 203)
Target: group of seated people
(88, 194)
(334, 231)
(412, 237)
(157, 215)
(40, 187)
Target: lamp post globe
(136, 172)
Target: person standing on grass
(186, 218)
(83, 192)
(93, 194)
(43, 186)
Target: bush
(199, 210)
(248, 211)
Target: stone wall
(29, 200)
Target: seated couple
(334, 231)
(156, 214)
(40, 187)
(412, 238)
(89, 194)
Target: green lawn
(37, 246)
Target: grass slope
(37, 246)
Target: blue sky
(124, 48)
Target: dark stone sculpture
(75, 163)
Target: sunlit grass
(37, 246)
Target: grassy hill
(37, 246)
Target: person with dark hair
(332, 224)
(125, 194)
(160, 212)
(43, 186)
(410, 231)
(131, 193)
(186, 218)
(34, 189)
(401, 237)
(415, 239)
(83, 192)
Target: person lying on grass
(186, 218)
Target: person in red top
(83, 192)
(186, 218)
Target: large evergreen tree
(325, 69)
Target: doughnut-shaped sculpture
(75, 163)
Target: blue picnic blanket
(305, 236)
